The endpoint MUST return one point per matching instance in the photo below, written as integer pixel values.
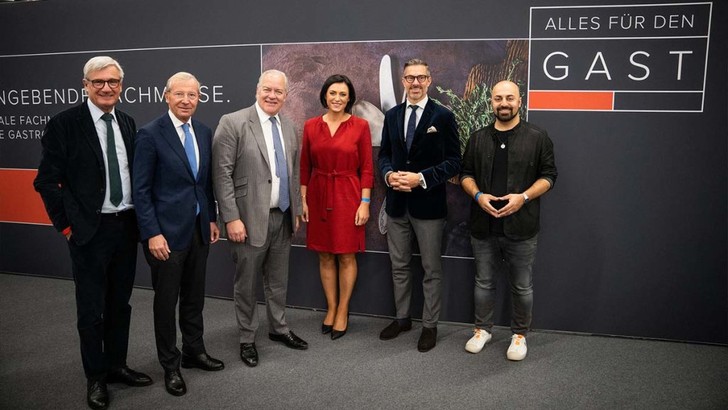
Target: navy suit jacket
(72, 172)
(435, 152)
(164, 189)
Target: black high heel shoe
(326, 329)
(335, 334)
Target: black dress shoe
(202, 361)
(249, 354)
(129, 377)
(326, 329)
(289, 339)
(97, 396)
(395, 328)
(428, 339)
(174, 383)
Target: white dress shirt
(266, 124)
(126, 202)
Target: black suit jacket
(166, 193)
(435, 152)
(72, 173)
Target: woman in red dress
(336, 180)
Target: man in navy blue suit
(420, 151)
(172, 186)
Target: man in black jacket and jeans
(507, 166)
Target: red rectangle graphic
(18, 200)
(571, 100)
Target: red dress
(335, 169)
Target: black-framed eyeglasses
(420, 78)
(113, 83)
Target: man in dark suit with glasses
(84, 179)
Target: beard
(505, 115)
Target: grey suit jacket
(241, 172)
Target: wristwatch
(525, 198)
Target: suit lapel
(424, 120)
(202, 146)
(422, 125)
(88, 129)
(127, 134)
(170, 136)
(400, 125)
(257, 129)
(289, 140)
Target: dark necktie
(190, 151)
(411, 125)
(281, 167)
(115, 194)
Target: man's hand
(404, 181)
(159, 248)
(214, 232)
(236, 231)
(484, 200)
(515, 202)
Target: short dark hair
(335, 79)
(417, 61)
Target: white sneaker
(479, 339)
(517, 350)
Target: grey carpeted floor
(40, 366)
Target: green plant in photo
(472, 113)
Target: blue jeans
(518, 256)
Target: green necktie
(115, 194)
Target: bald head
(506, 85)
(506, 102)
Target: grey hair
(417, 61)
(273, 72)
(181, 76)
(99, 63)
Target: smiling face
(182, 97)
(337, 97)
(506, 102)
(105, 97)
(417, 89)
(271, 93)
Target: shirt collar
(263, 116)
(421, 104)
(96, 112)
(176, 121)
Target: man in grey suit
(255, 154)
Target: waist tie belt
(327, 196)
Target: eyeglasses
(113, 83)
(420, 78)
(180, 95)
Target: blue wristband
(367, 200)
(477, 194)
